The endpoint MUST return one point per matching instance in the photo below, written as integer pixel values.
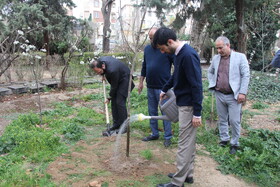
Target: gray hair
(92, 64)
(223, 39)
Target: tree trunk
(106, 11)
(241, 37)
(198, 33)
(46, 43)
(63, 77)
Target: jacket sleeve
(143, 70)
(115, 76)
(193, 75)
(169, 84)
(276, 60)
(211, 74)
(245, 75)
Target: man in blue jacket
(276, 60)
(187, 83)
(156, 69)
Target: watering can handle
(169, 94)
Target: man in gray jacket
(229, 76)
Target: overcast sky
(78, 11)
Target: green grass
(93, 86)
(147, 154)
(25, 142)
(249, 114)
(29, 149)
(101, 173)
(259, 105)
(79, 148)
(89, 117)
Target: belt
(225, 93)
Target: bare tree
(10, 47)
(106, 12)
(135, 49)
(86, 31)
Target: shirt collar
(178, 49)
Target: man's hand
(103, 78)
(162, 96)
(140, 87)
(241, 98)
(107, 101)
(196, 121)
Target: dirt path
(264, 118)
(92, 160)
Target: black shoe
(107, 133)
(167, 143)
(123, 131)
(150, 138)
(168, 185)
(233, 149)
(187, 180)
(115, 127)
(223, 143)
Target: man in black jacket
(117, 74)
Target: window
(96, 14)
(96, 3)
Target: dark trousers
(119, 110)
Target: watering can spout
(141, 117)
(160, 117)
(168, 107)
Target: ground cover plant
(25, 142)
(257, 159)
(27, 148)
(264, 87)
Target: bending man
(117, 74)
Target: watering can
(169, 108)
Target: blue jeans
(153, 101)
